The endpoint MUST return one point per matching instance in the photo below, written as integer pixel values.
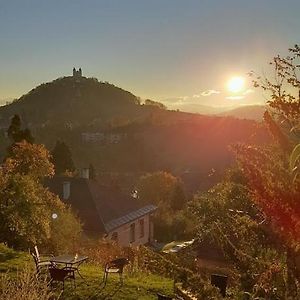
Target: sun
(236, 84)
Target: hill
(251, 112)
(110, 128)
(73, 101)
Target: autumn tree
(227, 218)
(274, 187)
(26, 205)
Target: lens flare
(54, 216)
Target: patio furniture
(61, 275)
(115, 266)
(219, 281)
(44, 259)
(71, 262)
(41, 266)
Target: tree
(16, 134)
(275, 189)
(155, 104)
(162, 189)
(277, 184)
(62, 158)
(26, 206)
(14, 128)
(227, 217)
(166, 191)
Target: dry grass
(24, 286)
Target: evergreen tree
(62, 158)
(14, 128)
(16, 134)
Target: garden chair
(41, 262)
(40, 266)
(60, 275)
(219, 281)
(42, 258)
(115, 266)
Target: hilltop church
(77, 74)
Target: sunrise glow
(236, 84)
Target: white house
(106, 211)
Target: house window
(132, 233)
(142, 228)
(114, 237)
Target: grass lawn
(136, 286)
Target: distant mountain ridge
(251, 112)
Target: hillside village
(149, 150)
(108, 184)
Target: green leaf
(295, 156)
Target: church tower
(77, 74)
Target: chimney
(85, 173)
(66, 190)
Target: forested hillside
(110, 128)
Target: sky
(179, 52)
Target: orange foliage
(270, 181)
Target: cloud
(241, 96)
(209, 93)
(184, 98)
(247, 92)
(235, 97)
(196, 96)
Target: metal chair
(44, 259)
(61, 275)
(115, 266)
(219, 281)
(40, 266)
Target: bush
(65, 232)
